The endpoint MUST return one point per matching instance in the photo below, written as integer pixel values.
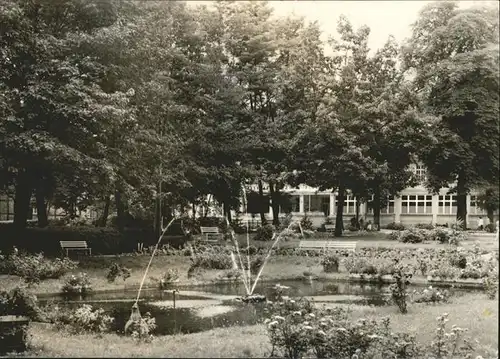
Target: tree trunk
(357, 212)
(274, 192)
(120, 211)
(41, 207)
(227, 208)
(263, 220)
(376, 208)
(339, 221)
(193, 208)
(105, 214)
(462, 200)
(22, 200)
(491, 215)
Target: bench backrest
(209, 230)
(329, 227)
(73, 244)
(327, 244)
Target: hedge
(101, 240)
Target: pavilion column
(397, 209)
(435, 208)
(301, 204)
(332, 204)
(467, 204)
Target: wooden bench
(326, 245)
(210, 234)
(75, 245)
(329, 228)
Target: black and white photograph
(249, 179)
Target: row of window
(410, 204)
(7, 210)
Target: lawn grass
(277, 268)
(471, 311)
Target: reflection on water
(186, 320)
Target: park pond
(211, 306)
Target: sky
(383, 17)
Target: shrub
(170, 276)
(449, 345)
(306, 224)
(396, 226)
(399, 290)
(445, 235)
(431, 295)
(330, 263)
(77, 285)
(458, 259)
(87, 319)
(142, 329)
(285, 222)
(490, 284)
(289, 234)
(117, 270)
(490, 228)
(411, 235)
(34, 268)
(255, 264)
(428, 226)
(264, 233)
(101, 240)
(297, 330)
(19, 302)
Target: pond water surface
(205, 307)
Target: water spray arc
(246, 274)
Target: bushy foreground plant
(142, 329)
(35, 268)
(330, 263)
(264, 233)
(90, 320)
(419, 235)
(431, 295)
(170, 276)
(399, 290)
(396, 226)
(297, 329)
(490, 284)
(117, 270)
(19, 302)
(77, 284)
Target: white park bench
(75, 245)
(210, 234)
(329, 228)
(326, 245)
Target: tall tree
(454, 56)
(51, 96)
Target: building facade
(413, 205)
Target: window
(416, 204)
(420, 172)
(317, 203)
(295, 202)
(474, 206)
(387, 209)
(6, 210)
(349, 204)
(447, 204)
